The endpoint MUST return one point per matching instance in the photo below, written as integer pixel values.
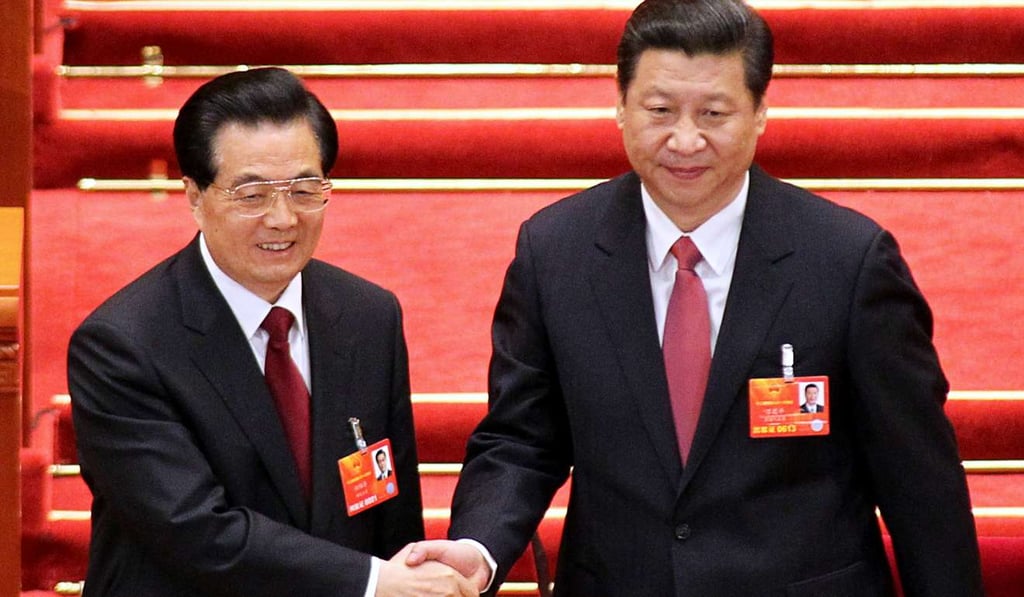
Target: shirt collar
(249, 309)
(716, 239)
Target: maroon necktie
(289, 390)
(687, 344)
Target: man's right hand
(430, 579)
(463, 557)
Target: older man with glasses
(225, 400)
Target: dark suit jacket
(577, 380)
(807, 409)
(195, 490)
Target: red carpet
(445, 255)
(455, 92)
(821, 148)
(909, 35)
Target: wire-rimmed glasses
(254, 199)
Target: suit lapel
(622, 288)
(330, 356)
(756, 293)
(222, 353)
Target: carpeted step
(87, 245)
(989, 426)
(991, 445)
(58, 550)
(1002, 567)
(443, 421)
(454, 91)
(450, 127)
(104, 33)
(869, 144)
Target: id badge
(368, 477)
(793, 407)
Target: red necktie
(289, 390)
(687, 344)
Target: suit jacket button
(683, 532)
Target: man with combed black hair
(811, 404)
(687, 477)
(214, 396)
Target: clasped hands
(434, 569)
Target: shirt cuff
(371, 584)
(487, 557)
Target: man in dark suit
(811, 404)
(579, 383)
(201, 485)
(383, 469)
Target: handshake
(435, 568)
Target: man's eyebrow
(247, 178)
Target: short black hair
(699, 27)
(248, 97)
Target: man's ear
(620, 111)
(761, 117)
(192, 192)
(195, 197)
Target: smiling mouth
(275, 246)
(687, 173)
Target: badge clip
(357, 431)
(787, 363)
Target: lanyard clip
(357, 431)
(787, 363)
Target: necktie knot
(686, 253)
(277, 324)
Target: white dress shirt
(717, 240)
(250, 311)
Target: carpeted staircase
(461, 118)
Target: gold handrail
(398, 185)
(349, 70)
(488, 5)
(481, 397)
(427, 70)
(573, 113)
(72, 588)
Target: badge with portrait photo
(368, 477)
(786, 408)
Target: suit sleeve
(908, 442)
(156, 487)
(521, 452)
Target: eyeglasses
(254, 199)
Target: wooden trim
(15, 186)
(11, 235)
